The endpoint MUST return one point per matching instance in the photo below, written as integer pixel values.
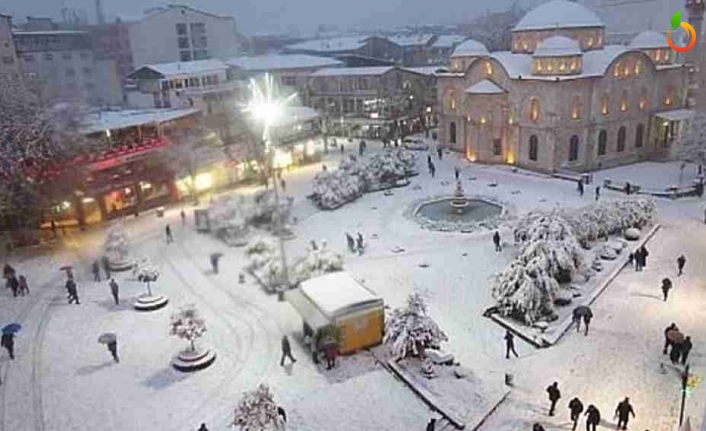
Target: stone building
(562, 98)
(9, 65)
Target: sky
(284, 16)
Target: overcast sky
(282, 16)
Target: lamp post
(684, 386)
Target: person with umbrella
(537, 427)
(667, 341)
(676, 338)
(214, 261)
(111, 341)
(582, 311)
(8, 338)
(114, 290)
(681, 261)
(666, 286)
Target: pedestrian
(623, 412)
(8, 342)
(685, 349)
(496, 241)
(282, 184)
(637, 255)
(202, 428)
(96, 269)
(168, 232)
(675, 353)
(440, 153)
(510, 345)
(114, 290)
(286, 351)
(13, 284)
(580, 187)
(432, 170)
(351, 242)
(361, 148)
(666, 286)
(598, 193)
(214, 263)
(576, 408)
(667, 342)
(182, 214)
(73, 292)
(628, 188)
(106, 266)
(681, 261)
(360, 246)
(8, 271)
(330, 352)
(281, 413)
(431, 426)
(537, 427)
(24, 288)
(456, 173)
(113, 349)
(576, 318)
(593, 418)
(313, 244)
(631, 258)
(429, 162)
(586, 321)
(53, 229)
(643, 256)
(554, 395)
(342, 149)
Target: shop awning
(675, 114)
(309, 312)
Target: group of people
(639, 258)
(678, 350)
(580, 189)
(18, 284)
(355, 245)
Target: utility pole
(684, 385)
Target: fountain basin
(458, 211)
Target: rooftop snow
(427, 70)
(448, 40)
(470, 47)
(350, 43)
(649, 39)
(335, 292)
(484, 86)
(557, 46)
(412, 40)
(558, 14)
(353, 71)
(47, 32)
(282, 61)
(112, 120)
(187, 67)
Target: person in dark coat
(667, 342)
(106, 266)
(202, 428)
(8, 342)
(685, 349)
(554, 395)
(13, 284)
(182, 214)
(429, 162)
(644, 253)
(431, 426)
(675, 353)
(282, 184)
(96, 270)
(637, 255)
(286, 351)
(666, 286)
(168, 232)
(23, 287)
(361, 148)
(580, 187)
(73, 292)
(576, 408)
(214, 263)
(496, 241)
(510, 345)
(593, 418)
(432, 170)
(53, 229)
(586, 322)
(282, 413)
(351, 242)
(598, 193)
(113, 349)
(360, 246)
(8, 271)
(628, 188)
(330, 352)
(681, 261)
(440, 153)
(456, 173)
(114, 290)
(537, 427)
(623, 412)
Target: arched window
(638, 67)
(533, 147)
(658, 55)
(488, 68)
(452, 132)
(602, 142)
(669, 96)
(534, 109)
(626, 70)
(574, 148)
(624, 101)
(605, 102)
(616, 71)
(639, 135)
(576, 108)
(621, 139)
(643, 100)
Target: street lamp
(266, 107)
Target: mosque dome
(470, 48)
(557, 46)
(558, 14)
(649, 40)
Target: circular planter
(188, 361)
(120, 266)
(150, 303)
(632, 234)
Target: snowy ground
(63, 379)
(651, 175)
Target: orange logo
(676, 23)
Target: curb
(490, 412)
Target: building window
(638, 67)
(488, 68)
(616, 70)
(84, 55)
(534, 109)
(48, 56)
(621, 139)
(8, 59)
(452, 132)
(658, 55)
(181, 29)
(452, 101)
(533, 147)
(624, 101)
(574, 148)
(669, 96)
(29, 58)
(576, 108)
(574, 65)
(639, 135)
(198, 35)
(200, 54)
(185, 55)
(497, 147)
(538, 66)
(643, 100)
(66, 55)
(70, 72)
(550, 66)
(589, 42)
(290, 81)
(602, 142)
(604, 105)
(626, 71)
(184, 43)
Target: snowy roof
(282, 61)
(353, 71)
(558, 14)
(557, 46)
(350, 43)
(470, 47)
(426, 70)
(448, 40)
(676, 114)
(112, 120)
(337, 293)
(186, 67)
(649, 39)
(484, 86)
(412, 40)
(297, 114)
(48, 32)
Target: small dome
(557, 46)
(469, 48)
(649, 39)
(558, 14)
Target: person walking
(286, 351)
(623, 412)
(182, 214)
(510, 345)
(114, 290)
(282, 183)
(643, 256)
(113, 349)
(342, 149)
(675, 353)
(637, 255)
(96, 270)
(351, 242)
(24, 288)
(440, 153)
(429, 162)
(168, 232)
(73, 292)
(575, 408)
(576, 318)
(106, 266)
(496, 241)
(359, 244)
(282, 413)
(53, 229)
(431, 426)
(537, 427)
(598, 193)
(586, 322)
(13, 284)
(580, 187)
(214, 262)
(456, 173)
(666, 286)
(8, 342)
(667, 342)
(593, 418)
(554, 395)
(681, 261)
(628, 188)
(330, 352)
(685, 349)
(202, 428)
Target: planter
(125, 265)
(189, 361)
(150, 302)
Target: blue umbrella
(11, 328)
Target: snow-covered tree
(409, 330)
(146, 273)
(493, 29)
(116, 242)
(187, 325)
(257, 411)
(316, 263)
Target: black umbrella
(583, 310)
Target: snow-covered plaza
(63, 379)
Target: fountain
(459, 202)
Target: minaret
(100, 17)
(695, 56)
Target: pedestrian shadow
(288, 368)
(90, 369)
(648, 295)
(109, 304)
(164, 378)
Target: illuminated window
(616, 71)
(488, 68)
(539, 65)
(589, 42)
(638, 67)
(600, 40)
(562, 66)
(665, 57)
(574, 65)
(452, 101)
(524, 45)
(576, 108)
(658, 55)
(669, 97)
(534, 109)
(643, 103)
(550, 65)
(626, 70)
(604, 104)
(624, 101)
